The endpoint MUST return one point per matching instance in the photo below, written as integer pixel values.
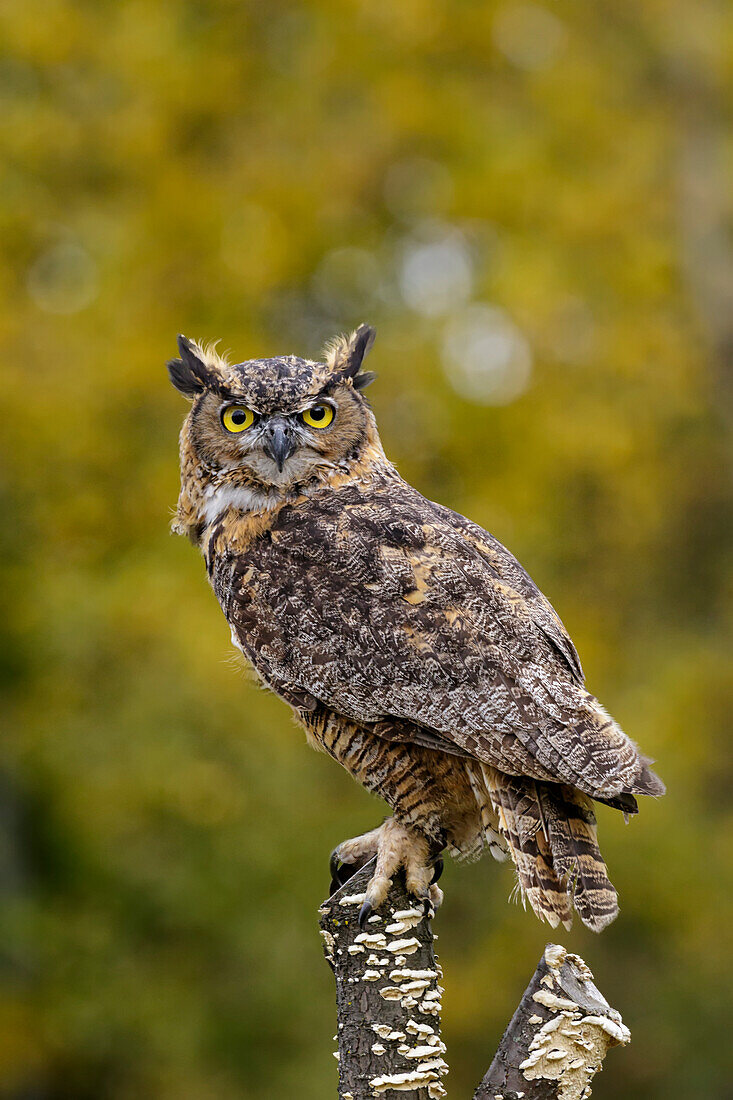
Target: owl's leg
(396, 847)
(351, 855)
(402, 847)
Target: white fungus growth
(421, 1076)
(406, 975)
(419, 1029)
(391, 993)
(421, 1052)
(412, 915)
(328, 944)
(352, 899)
(554, 956)
(404, 947)
(570, 1046)
(416, 987)
(372, 939)
(404, 919)
(384, 1031)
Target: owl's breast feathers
(395, 612)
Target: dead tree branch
(557, 1038)
(387, 994)
(388, 1008)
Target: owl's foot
(396, 847)
(350, 856)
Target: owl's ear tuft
(189, 374)
(364, 378)
(345, 355)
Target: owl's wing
(397, 612)
(505, 568)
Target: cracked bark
(388, 1011)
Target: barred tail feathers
(571, 824)
(520, 823)
(551, 833)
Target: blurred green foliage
(273, 173)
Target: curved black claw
(437, 870)
(365, 913)
(340, 872)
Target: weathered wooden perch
(387, 994)
(388, 1009)
(557, 1038)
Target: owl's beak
(278, 442)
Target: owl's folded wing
(395, 611)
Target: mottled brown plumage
(412, 646)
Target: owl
(413, 648)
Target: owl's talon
(365, 913)
(436, 897)
(396, 847)
(340, 873)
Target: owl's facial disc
(281, 447)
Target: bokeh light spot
(530, 36)
(486, 357)
(435, 276)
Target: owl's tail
(550, 829)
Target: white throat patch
(219, 498)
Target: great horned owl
(411, 645)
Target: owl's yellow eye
(236, 418)
(318, 416)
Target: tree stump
(558, 1036)
(388, 1002)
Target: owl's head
(274, 424)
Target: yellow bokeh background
(532, 204)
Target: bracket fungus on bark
(558, 1036)
(388, 1001)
